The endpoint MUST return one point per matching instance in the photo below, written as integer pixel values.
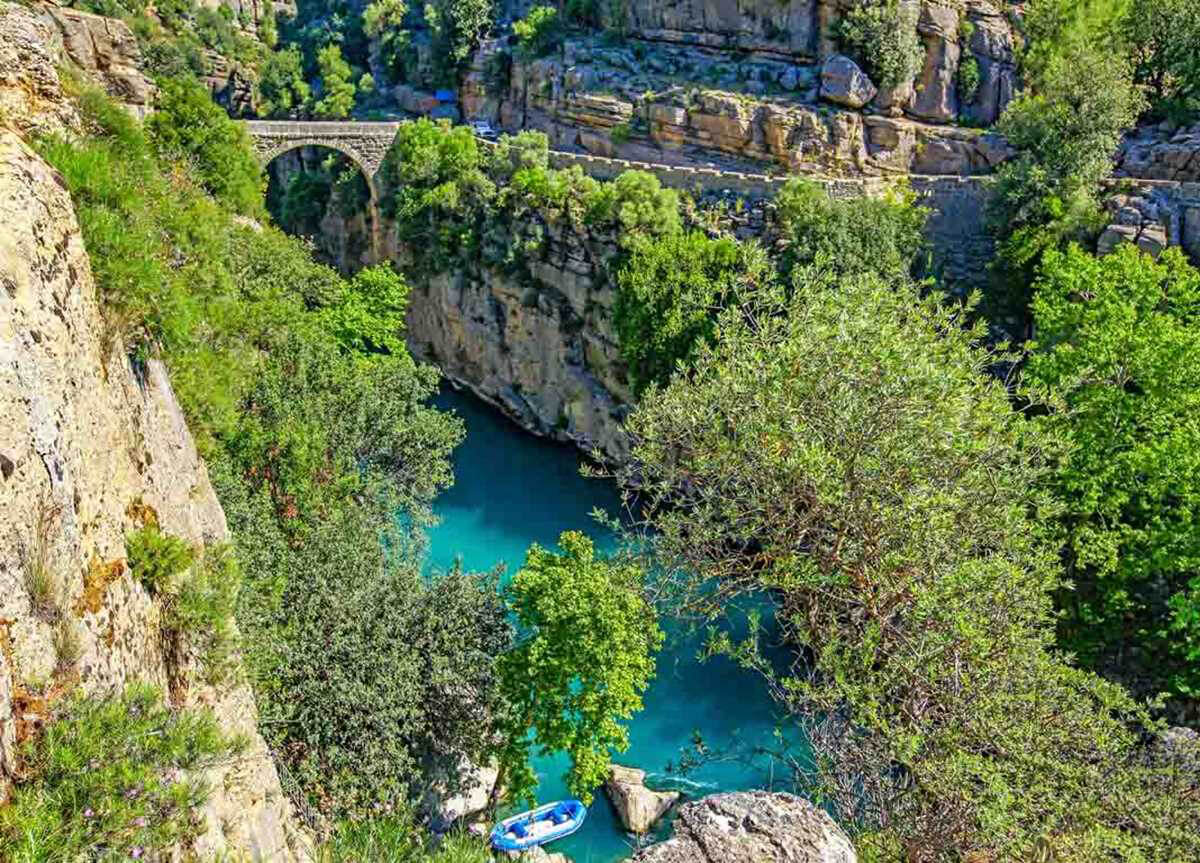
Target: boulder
(537, 854)
(1113, 236)
(455, 798)
(638, 807)
(751, 827)
(843, 83)
(1152, 240)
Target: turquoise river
(512, 489)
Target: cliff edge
(89, 445)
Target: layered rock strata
(761, 80)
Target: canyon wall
(760, 80)
(539, 342)
(91, 447)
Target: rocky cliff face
(540, 346)
(88, 446)
(751, 80)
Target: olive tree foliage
(1065, 126)
(1116, 358)
(584, 656)
(841, 449)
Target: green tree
(458, 26)
(841, 451)
(188, 125)
(337, 85)
(884, 235)
(881, 36)
(584, 656)
(282, 89)
(635, 203)
(268, 26)
(1165, 35)
(1079, 99)
(1117, 349)
(383, 21)
(370, 317)
(669, 292)
(539, 32)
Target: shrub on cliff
(881, 36)
(106, 780)
(283, 90)
(539, 32)
(841, 450)
(383, 21)
(635, 203)
(669, 293)
(337, 84)
(884, 235)
(1116, 354)
(399, 839)
(187, 125)
(1079, 99)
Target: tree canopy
(841, 449)
(584, 656)
(1116, 357)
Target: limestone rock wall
(31, 98)
(742, 80)
(1161, 153)
(1153, 214)
(88, 445)
(751, 827)
(86, 441)
(106, 50)
(538, 345)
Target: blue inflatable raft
(539, 826)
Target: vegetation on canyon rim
(817, 423)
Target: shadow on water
(512, 489)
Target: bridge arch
(364, 144)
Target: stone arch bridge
(363, 143)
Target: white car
(483, 129)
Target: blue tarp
(446, 96)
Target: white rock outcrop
(843, 83)
(638, 807)
(751, 827)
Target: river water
(512, 489)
